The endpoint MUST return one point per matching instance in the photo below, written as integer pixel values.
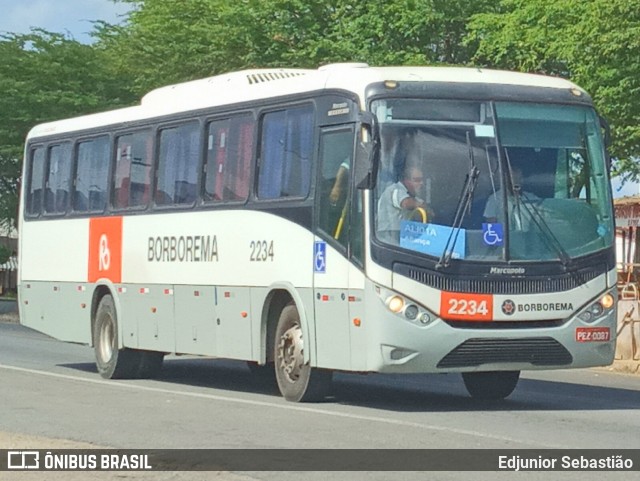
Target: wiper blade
(464, 205)
(538, 220)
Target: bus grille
(512, 286)
(539, 351)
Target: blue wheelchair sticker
(493, 234)
(320, 257)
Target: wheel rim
(106, 341)
(290, 353)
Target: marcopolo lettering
(197, 248)
(545, 306)
(507, 270)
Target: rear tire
(491, 386)
(112, 363)
(297, 381)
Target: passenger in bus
(494, 209)
(399, 201)
(341, 185)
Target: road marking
(286, 406)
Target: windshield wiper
(537, 218)
(464, 205)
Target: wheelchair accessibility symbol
(492, 234)
(320, 257)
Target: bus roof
(248, 85)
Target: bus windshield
(490, 181)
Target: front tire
(297, 381)
(490, 386)
(112, 363)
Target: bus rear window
(36, 182)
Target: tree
(46, 76)
(168, 42)
(592, 42)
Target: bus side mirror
(366, 151)
(606, 131)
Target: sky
(63, 16)
(629, 188)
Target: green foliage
(595, 43)
(46, 76)
(168, 42)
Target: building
(9, 269)
(627, 211)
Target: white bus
(350, 218)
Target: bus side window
(58, 179)
(91, 175)
(241, 150)
(336, 152)
(286, 152)
(132, 179)
(229, 155)
(35, 182)
(178, 165)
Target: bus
(345, 219)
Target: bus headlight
(411, 312)
(395, 304)
(595, 311)
(405, 308)
(607, 301)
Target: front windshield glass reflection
(448, 187)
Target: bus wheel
(297, 381)
(494, 385)
(111, 362)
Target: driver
(494, 210)
(398, 201)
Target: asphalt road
(50, 390)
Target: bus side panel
(152, 310)
(59, 309)
(53, 292)
(232, 252)
(55, 250)
(359, 326)
(233, 323)
(127, 322)
(195, 320)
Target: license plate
(593, 334)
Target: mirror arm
(368, 153)
(607, 139)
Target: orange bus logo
(105, 249)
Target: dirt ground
(12, 317)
